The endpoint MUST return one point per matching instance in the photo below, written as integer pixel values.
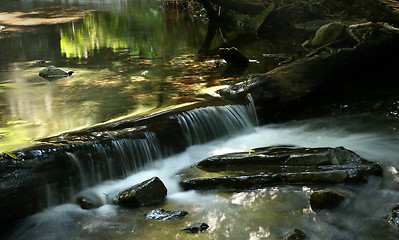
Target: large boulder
(149, 192)
(279, 165)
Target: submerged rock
(88, 203)
(326, 199)
(54, 72)
(198, 228)
(40, 62)
(162, 215)
(276, 165)
(393, 216)
(233, 56)
(295, 234)
(149, 192)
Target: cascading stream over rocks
(54, 171)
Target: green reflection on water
(143, 29)
(128, 60)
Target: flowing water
(266, 213)
(134, 56)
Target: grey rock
(278, 165)
(54, 72)
(149, 192)
(326, 199)
(87, 203)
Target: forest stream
(134, 57)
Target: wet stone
(197, 228)
(295, 234)
(87, 203)
(149, 192)
(162, 215)
(275, 165)
(393, 216)
(326, 199)
(233, 56)
(54, 72)
(89, 200)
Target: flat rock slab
(279, 165)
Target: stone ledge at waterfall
(278, 165)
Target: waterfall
(204, 124)
(91, 163)
(84, 164)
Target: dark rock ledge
(279, 165)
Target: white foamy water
(264, 214)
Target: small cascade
(207, 123)
(92, 163)
(75, 161)
(78, 165)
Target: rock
(89, 200)
(393, 216)
(162, 215)
(233, 56)
(54, 72)
(326, 199)
(278, 165)
(295, 234)
(198, 228)
(40, 62)
(327, 34)
(149, 192)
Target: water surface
(128, 56)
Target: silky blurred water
(134, 56)
(267, 213)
